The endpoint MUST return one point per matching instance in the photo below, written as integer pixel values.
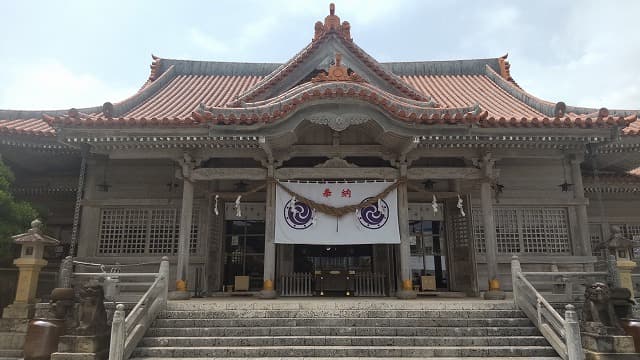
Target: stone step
(343, 341)
(359, 313)
(345, 351)
(355, 322)
(10, 353)
(354, 358)
(344, 331)
(343, 304)
(11, 340)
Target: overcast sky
(62, 54)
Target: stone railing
(562, 333)
(127, 331)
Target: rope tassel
(215, 205)
(434, 204)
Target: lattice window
(545, 230)
(111, 231)
(195, 230)
(126, 231)
(526, 229)
(478, 230)
(164, 230)
(123, 231)
(595, 236)
(631, 231)
(460, 231)
(507, 232)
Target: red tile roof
(462, 90)
(184, 93)
(633, 129)
(187, 93)
(36, 127)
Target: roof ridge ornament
(337, 72)
(332, 24)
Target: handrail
(127, 331)
(562, 334)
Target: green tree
(15, 216)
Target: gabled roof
(180, 93)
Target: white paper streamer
(379, 204)
(237, 206)
(434, 204)
(461, 206)
(215, 205)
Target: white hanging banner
(296, 223)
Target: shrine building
(331, 174)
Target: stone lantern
(29, 264)
(622, 249)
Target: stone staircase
(349, 328)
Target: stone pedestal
(495, 295)
(19, 311)
(179, 295)
(494, 292)
(83, 347)
(267, 291)
(407, 291)
(599, 346)
(625, 267)
(12, 333)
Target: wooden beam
(337, 173)
(434, 173)
(229, 174)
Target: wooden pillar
(486, 205)
(268, 291)
(583, 241)
(184, 238)
(488, 222)
(406, 284)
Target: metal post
(118, 336)
(572, 334)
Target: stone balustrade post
(164, 274)
(516, 269)
(118, 334)
(572, 334)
